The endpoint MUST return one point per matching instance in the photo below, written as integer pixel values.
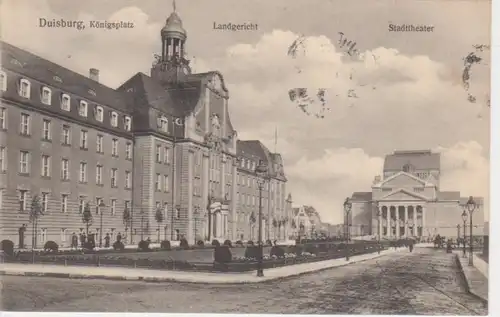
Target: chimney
(94, 74)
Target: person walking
(106, 240)
(74, 241)
(83, 239)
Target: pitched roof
(32, 66)
(252, 149)
(177, 100)
(421, 160)
(361, 196)
(448, 195)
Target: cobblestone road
(423, 282)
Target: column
(223, 176)
(380, 231)
(415, 227)
(190, 235)
(397, 222)
(406, 221)
(389, 218)
(234, 223)
(205, 193)
(423, 222)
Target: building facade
(160, 149)
(406, 201)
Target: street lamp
(101, 207)
(464, 218)
(261, 171)
(87, 218)
(347, 210)
(471, 206)
(195, 218)
(379, 213)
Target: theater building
(410, 202)
(160, 147)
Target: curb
(174, 279)
(467, 284)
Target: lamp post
(347, 210)
(261, 171)
(464, 218)
(377, 208)
(101, 207)
(471, 206)
(87, 218)
(458, 231)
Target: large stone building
(160, 148)
(410, 201)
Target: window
(166, 155)
(98, 113)
(3, 159)
(83, 140)
(127, 123)
(114, 177)
(81, 204)
(100, 142)
(65, 169)
(25, 124)
(128, 151)
(83, 108)
(114, 119)
(24, 162)
(177, 212)
(64, 202)
(163, 123)
(158, 153)
(113, 206)
(24, 88)
(98, 202)
(3, 81)
(43, 236)
(46, 96)
(126, 205)
(45, 202)
(165, 183)
(3, 118)
(177, 235)
(114, 147)
(418, 189)
(128, 179)
(66, 135)
(45, 165)
(23, 200)
(46, 130)
(242, 162)
(63, 235)
(83, 172)
(98, 175)
(65, 102)
(158, 182)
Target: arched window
(114, 119)
(99, 113)
(82, 110)
(46, 95)
(65, 102)
(24, 88)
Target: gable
(402, 180)
(403, 195)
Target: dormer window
(57, 78)
(127, 123)
(98, 113)
(163, 124)
(24, 88)
(242, 162)
(92, 92)
(16, 62)
(46, 95)
(3, 81)
(65, 102)
(82, 108)
(114, 119)
(408, 168)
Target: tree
(159, 219)
(36, 211)
(87, 217)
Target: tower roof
(173, 26)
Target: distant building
(410, 201)
(306, 222)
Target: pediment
(402, 179)
(403, 195)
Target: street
(423, 282)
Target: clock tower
(171, 65)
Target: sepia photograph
(245, 157)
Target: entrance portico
(399, 219)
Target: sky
(408, 86)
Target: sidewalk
(113, 273)
(477, 283)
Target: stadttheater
(407, 201)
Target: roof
(253, 149)
(421, 160)
(448, 195)
(173, 24)
(178, 100)
(361, 196)
(295, 211)
(43, 70)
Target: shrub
(165, 245)
(184, 244)
(222, 254)
(228, 243)
(269, 242)
(297, 249)
(50, 246)
(311, 248)
(252, 251)
(118, 245)
(143, 245)
(200, 243)
(250, 242)
(239, 242)
(215, 243)
(89, 245)
(277, 251)
(7, 247)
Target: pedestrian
(83, 239)
(106, 240)
(410, 245)
(74, 241)
(119, 237)
(22, 230)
